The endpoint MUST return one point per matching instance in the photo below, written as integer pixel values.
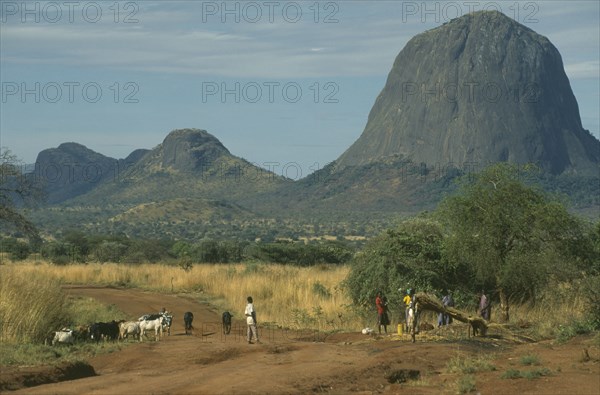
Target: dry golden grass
(30, 303)
(550, 314)
(289, 296)
(285, 295)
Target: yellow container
(400, 329)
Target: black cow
(188, 317)
(106, 330)
(227, 322)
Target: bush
(59, 253)
(590, 290)
(321, 290)
(577, 327)
(511, 374)
(19, 251)
(526, 374)
(298, 253)
(466, 365)
(110, 251)
(466, 384)
(530, 359)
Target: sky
(287, 85)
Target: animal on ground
(168, 320)
(81, 333)
(227, 322)
(155, 325)
(129, 328)
(64, 336)
(104, 330)
(188, 318)
(149, 317)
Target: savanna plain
(311, 339)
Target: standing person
(407, 300)
(413, 315)
(447, 301)
(385, 320)
(251, 321)
(485, 308)
(382, 318)
(401, 310)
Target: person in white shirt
(251, 321)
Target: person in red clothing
(382, 316)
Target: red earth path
(293, 362)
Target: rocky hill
(479, 89)
(189, 163)
(72, 169)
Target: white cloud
(583, 70)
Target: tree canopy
(495, 233)
(408, 256)
(16, 188)
(511, 236)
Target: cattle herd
(137, 330)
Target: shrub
(577, 327)
(536, 373)
(511, 374)
(530, 359)
(462, 364)
(590, 290)
(466, 384)
(59, 253)
(321, 290)
(110, 251)
(526, 374)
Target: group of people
(383, 318)
(483, 308)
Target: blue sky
(278, 82)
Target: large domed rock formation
(479, 89)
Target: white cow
(168, 320)
(64, 336)
(156, 325)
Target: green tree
(110, 251)
(16, 189)
(511, 237)
(17, 249)
(80, 241)
(59, 252)
(408, 256)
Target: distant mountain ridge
(432, 121)
(189, 163)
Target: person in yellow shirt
(407, 299)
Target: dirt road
(288, 362)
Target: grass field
(311, 297)
(288, 296)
